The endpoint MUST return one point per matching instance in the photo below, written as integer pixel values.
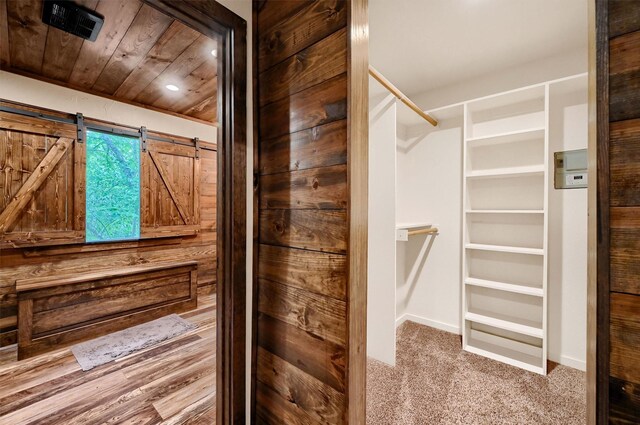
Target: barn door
(41, 182)
(170, 196)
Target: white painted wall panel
(381, 312)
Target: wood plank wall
(26, 263)
(623, 196)
(303, 364)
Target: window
(113, 187)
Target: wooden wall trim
(599, 206)
(357, 161)
(309, 353)
(256, 5)
(592, 227)
(617, 140)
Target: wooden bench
(60, 310)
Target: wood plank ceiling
(138, 52)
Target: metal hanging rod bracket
(196, 142)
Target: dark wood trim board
(213, 19)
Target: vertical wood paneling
(624, 159)
(624, 17)
(313, 313)
(311, 168)
(273, 409)
(316, 230)
(297, 25)
(317, 63)
(619, 197)
(312, 148)
(313, 271)
(320, 104)
(624, 384)
(319, 358)
(318, 400)
(317, 188)
(625, 334)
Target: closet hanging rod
(429, 231)
(397, 93)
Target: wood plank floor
(170, 383)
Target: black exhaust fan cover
(72, 18)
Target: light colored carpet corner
(434, 382)
(113, 346)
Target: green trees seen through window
(113, 187)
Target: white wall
(429, 178)
(567, 296)
(381, 290)
(430, 190)
(38, 93)
(554, 67)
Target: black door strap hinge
(143, 138)
(81, 129)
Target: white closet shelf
(505, 211)
(507, 323)
(501, 248)
(531, 170)
(508, 287)
(511, 357)
(509, 137)
(494, 348)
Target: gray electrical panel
(571, 169)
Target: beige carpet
(436, 383)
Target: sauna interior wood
(139, 51)
(124, 152)
(75, 261)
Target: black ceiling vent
(72, 18)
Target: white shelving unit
(505, 227)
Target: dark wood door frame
(598, 306)
(212, 19)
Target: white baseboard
(574, 363)
(427, 322)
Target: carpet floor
(434, 382)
